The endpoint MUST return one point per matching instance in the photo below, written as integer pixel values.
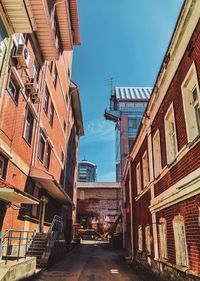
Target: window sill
(41, 160)
(29, 144)
(178, 267)
(15, 102)
(192, 143)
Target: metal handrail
(56, 224)
(8, 238)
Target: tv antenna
(110, 83)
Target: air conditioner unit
(35, 96)
(22, 55)
(31, 85)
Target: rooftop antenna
(110, 82)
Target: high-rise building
(127, 105)
(87, 171)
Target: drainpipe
(151, 173)
(131, 207)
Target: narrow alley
(93, 263)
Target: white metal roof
(133, 93)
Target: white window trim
(163, 238)
(145, 172)
(3, 166)
(191, 75)
(178, 248)
(139, 178)
(140, 244)
(148, 239)
(171, 108)
(157, 164)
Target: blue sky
(123, 39)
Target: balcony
(112, 115)
(19, 15)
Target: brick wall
(189, 209)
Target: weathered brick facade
(166, 212)
(98, 205)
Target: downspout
(131, 207)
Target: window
(34, 206)
(46, 100)
(130, 142)
(191, 103)
(145, 167)
(140, 238)
(180, 241)
(50, 65)
(162, 227)
(55, 76)
(28, 128)
(62, 156)
(170, 135)
(132, 124)
(138, 178)
(157, 154)
(47, 156)
(51, 116)
(41, 147)
(3, 166)
(148, 239)
(35, 71)
(82, 195)
(13, 88)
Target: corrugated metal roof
(133, 93)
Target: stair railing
(15, 238)
(56, 225)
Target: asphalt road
(91, 263)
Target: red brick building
(162, 174)
(40, 117)
(99, 205)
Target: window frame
(140, 242)
(162, 228)
(145, 169)
(51, 114)
(25, 126)
(170, 158)
(13, 80)
(180, 246)
(46, 100)
(148, 239)
(139, 178)
(188, 85)
(41, 136)
(4, 160)
(47, 156)
(132, 129)
(157, 159)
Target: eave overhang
(44, 30)
(76, 106)
(19, 15)
(11, 194)
(63, 16)
(74, 21)
(48, 182)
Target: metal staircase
(37, 247)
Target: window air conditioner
(22, 55)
